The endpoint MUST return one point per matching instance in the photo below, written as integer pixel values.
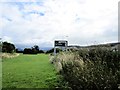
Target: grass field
(28, 71)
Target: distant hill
(45, 48)
(110, 45)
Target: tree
(41, 51)
(32, 50)
(36, 47)
(8, 47)
(27, 51)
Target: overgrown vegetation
(8, 55)
(97, 68)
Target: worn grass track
(28, 71)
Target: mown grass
(28, 71)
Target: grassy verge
(28, 71)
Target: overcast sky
(40, 22)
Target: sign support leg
(54, 51)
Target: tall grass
(91, 69)
(8, 55)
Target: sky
(40, 22)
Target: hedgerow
(91, 69)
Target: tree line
(10, 48)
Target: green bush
(112, 58)
(92, 75)
(100, 70)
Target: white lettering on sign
(61, 43)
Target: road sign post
(60, 43)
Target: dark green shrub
(112, 58)
(100, 70)
(91, 76)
